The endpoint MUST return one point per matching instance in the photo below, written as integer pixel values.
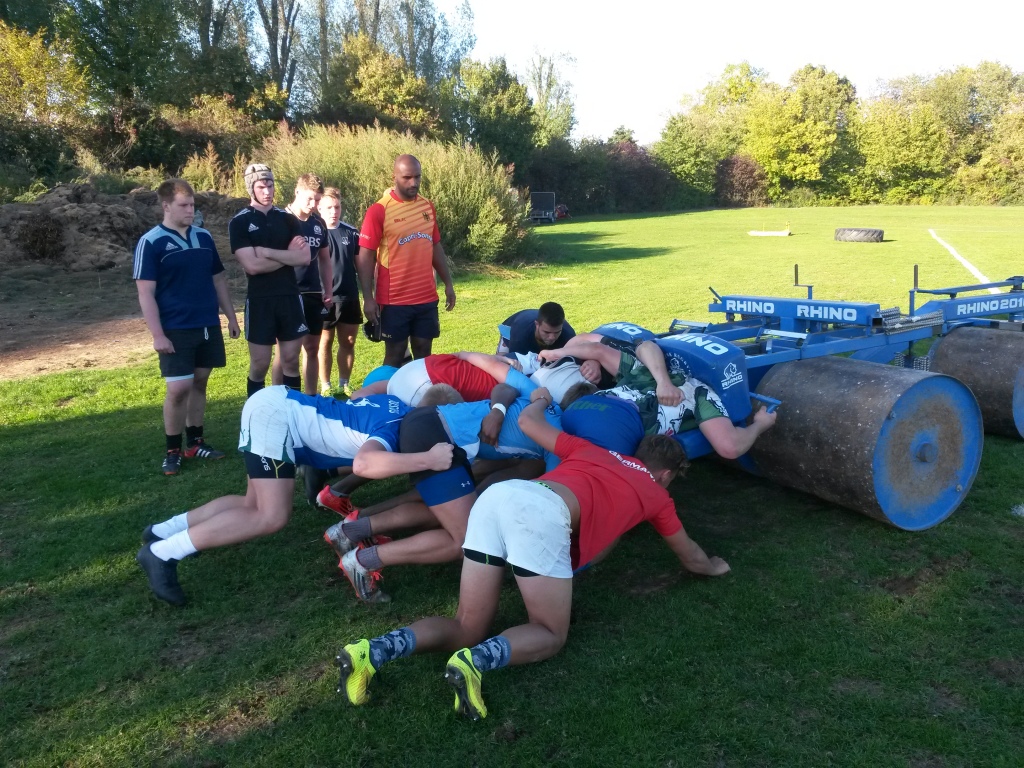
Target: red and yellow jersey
(403, 235)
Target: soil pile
(75, 228)
(67, 298)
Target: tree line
(124, 91)
(954, 137)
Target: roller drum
(991, 363)
(899, 445)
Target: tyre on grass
(856, 235)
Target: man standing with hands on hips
(399, 249)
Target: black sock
(252, 387)
(193, 434)
(173, 443)
(292, 382)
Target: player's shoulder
(344, 225)
(243, 213)
(152, 235)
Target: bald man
(399, 251)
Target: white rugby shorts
(524, 523)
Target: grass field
(834, 641)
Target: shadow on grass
(568, 248)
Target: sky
(634, 63)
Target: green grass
(834, 641)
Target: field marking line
(967, 265)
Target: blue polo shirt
(183, 270)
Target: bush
(206, 171)
(32, 156)
(479, 215)
(740, 182)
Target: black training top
(315, 232)
(275, 229)
(522, 338)
(343, 243)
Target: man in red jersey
(544, 529)
(399, 250)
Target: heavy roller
(899, 443)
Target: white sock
(342, 383)
(177, 547)
(168, 528)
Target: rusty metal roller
(898, 445)
(991, 363)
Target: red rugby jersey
(615, 493)
(403, 235)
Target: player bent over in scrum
(279, 428)
(544, 529)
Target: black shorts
(262, 468)
(315, 312)
(274, 318)
(193, 348)
(344, 311)
(403, 321)
(421, 430)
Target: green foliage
(998, 176)
(32, 155)
(497, 114)
(554, 112)
(906, 152)
(128, 46)
(39, 82)
(206, 172)
(478, 215)
(369, 85)
(923, 139)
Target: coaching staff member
(400, 248)
(268, 243)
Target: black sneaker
(148, 537)
(162, 575)
(314, 480)
(172, 463)
(201, 450)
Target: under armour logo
(253, 228)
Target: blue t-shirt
(183, 270)
(522, 337)
(328, 433)
(607, 422)
(308, 275)
(512, 441)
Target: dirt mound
(67, 298)
(76, 228)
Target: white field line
(967, 265)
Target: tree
(128, 47)
(368, 84)
(554, 112)
(622, 135)
(711, 126)
(216, 60)
(906, 151)
(430, 45)
(497, 111)
(39, 83)
(279, 19)
(30, 15)
(794, 133)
